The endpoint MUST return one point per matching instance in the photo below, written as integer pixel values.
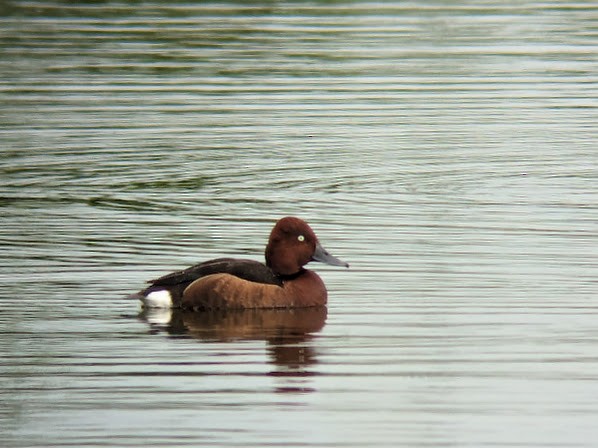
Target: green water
(446, 150)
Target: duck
(233, 283)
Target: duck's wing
(251, 270)
(167, 291)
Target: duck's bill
(323, 256)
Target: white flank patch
(158, 299)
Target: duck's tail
(157, 298)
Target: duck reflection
(287, 332)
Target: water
(446, 150)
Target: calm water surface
(447, 150)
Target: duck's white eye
(301, 238)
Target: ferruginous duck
(231, 283)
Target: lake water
(447, 150)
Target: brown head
(292, 245)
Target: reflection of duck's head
(229, 283)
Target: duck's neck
(288, 277)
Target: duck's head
(292, 245)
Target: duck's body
(229, 283)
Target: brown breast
(225, 291)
